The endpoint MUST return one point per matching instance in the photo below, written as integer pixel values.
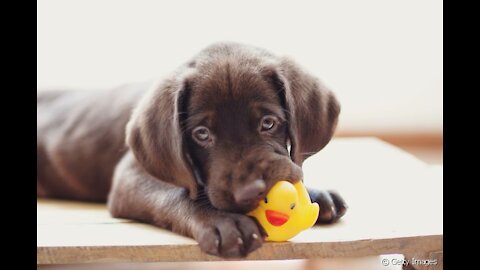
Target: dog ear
(312, 109)
(155, 136)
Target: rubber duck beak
(276, 218)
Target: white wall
(384, 59)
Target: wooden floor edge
(400, 139)
(269, 251)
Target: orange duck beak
(276, 218)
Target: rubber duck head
(279, 204)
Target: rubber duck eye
(292, 206)
(265, 200)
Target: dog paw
(229, 235)
(332, 205)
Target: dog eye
(268, 123)
(201, 134)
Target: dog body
(204, 145)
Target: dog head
(226, 120)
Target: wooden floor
(432, 155)
(374, 165)
(363, 263)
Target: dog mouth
(217, 201)
(276, 218)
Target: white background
(382, 58)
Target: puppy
(203, 145)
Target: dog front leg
(137, 195)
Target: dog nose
(250, 192)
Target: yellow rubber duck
(286, 211)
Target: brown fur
(163, 176)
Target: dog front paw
(332, 205)
(229, 235)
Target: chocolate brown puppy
(194, 151)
